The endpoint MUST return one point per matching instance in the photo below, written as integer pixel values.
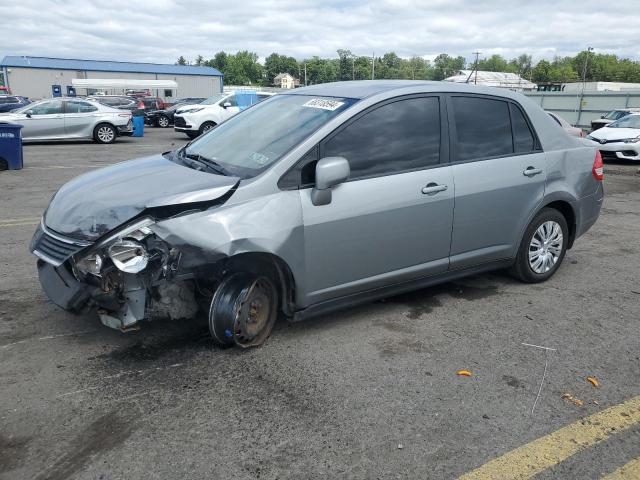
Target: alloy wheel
(106, 134)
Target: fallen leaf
(463, 373)
(572, 399)
(593, 381)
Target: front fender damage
(188, 254)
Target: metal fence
(580, 108)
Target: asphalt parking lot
(370, 392)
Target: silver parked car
(566, 126)
(70, 119)
(321, 198)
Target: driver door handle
(432, 188)
(531, 171)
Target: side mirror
(330, 171)
(28, 113)
(226, 104)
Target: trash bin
(138, 126)
(10, 146)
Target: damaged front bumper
(79, 277)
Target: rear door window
(395, 137)
(483, 128)
(76, 106)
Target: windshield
(630, 121)
(214, 99)
(614, 115)
(251, 141)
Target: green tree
(181, 61)
(495, 63)
(275, 64)
(446, 66)
(199, 60)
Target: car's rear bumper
(590, 207)
(125, 130)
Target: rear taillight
(598, 167)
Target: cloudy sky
(162, 30)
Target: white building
(284, 80)
(511, 81)
(600, 87)
(43, 77)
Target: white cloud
(161, 30)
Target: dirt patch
(103, 434)
(151, 348)
(12, 452)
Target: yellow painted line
(629, 471)
(59, 167)
(545, 452)
(19, 222)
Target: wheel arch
(269, 263)
(568, 211)
(101, 123)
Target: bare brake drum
(243, 310)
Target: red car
(5, 90)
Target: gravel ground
(370, 392)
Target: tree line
(243, 68)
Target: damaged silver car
(319, 199)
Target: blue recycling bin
(138, 126)
(10, 146)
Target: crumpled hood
(97, 202)
(607, 133)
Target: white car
(619, 140)
(70, 119)
(196, 119)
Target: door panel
(46, 121)
(377, 231)
(494, 200)
(79, 119)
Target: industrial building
(508, 80)
(43, 77)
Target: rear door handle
(432, 188)
(531, 171)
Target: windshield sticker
(323, 104)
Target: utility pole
(474, 69)
(305, 74)
(353, 67)
(477, 54)
(584, 69)
(373, 66)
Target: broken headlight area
(134, 275)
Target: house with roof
(43, 77)
(285, 80)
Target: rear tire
(105, 133)
(243, 310)
(542, 248)
(163, 121)
(206, 126)
(192, 135)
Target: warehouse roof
(106, 66)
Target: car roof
(361, 89)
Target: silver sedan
(70, 119)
